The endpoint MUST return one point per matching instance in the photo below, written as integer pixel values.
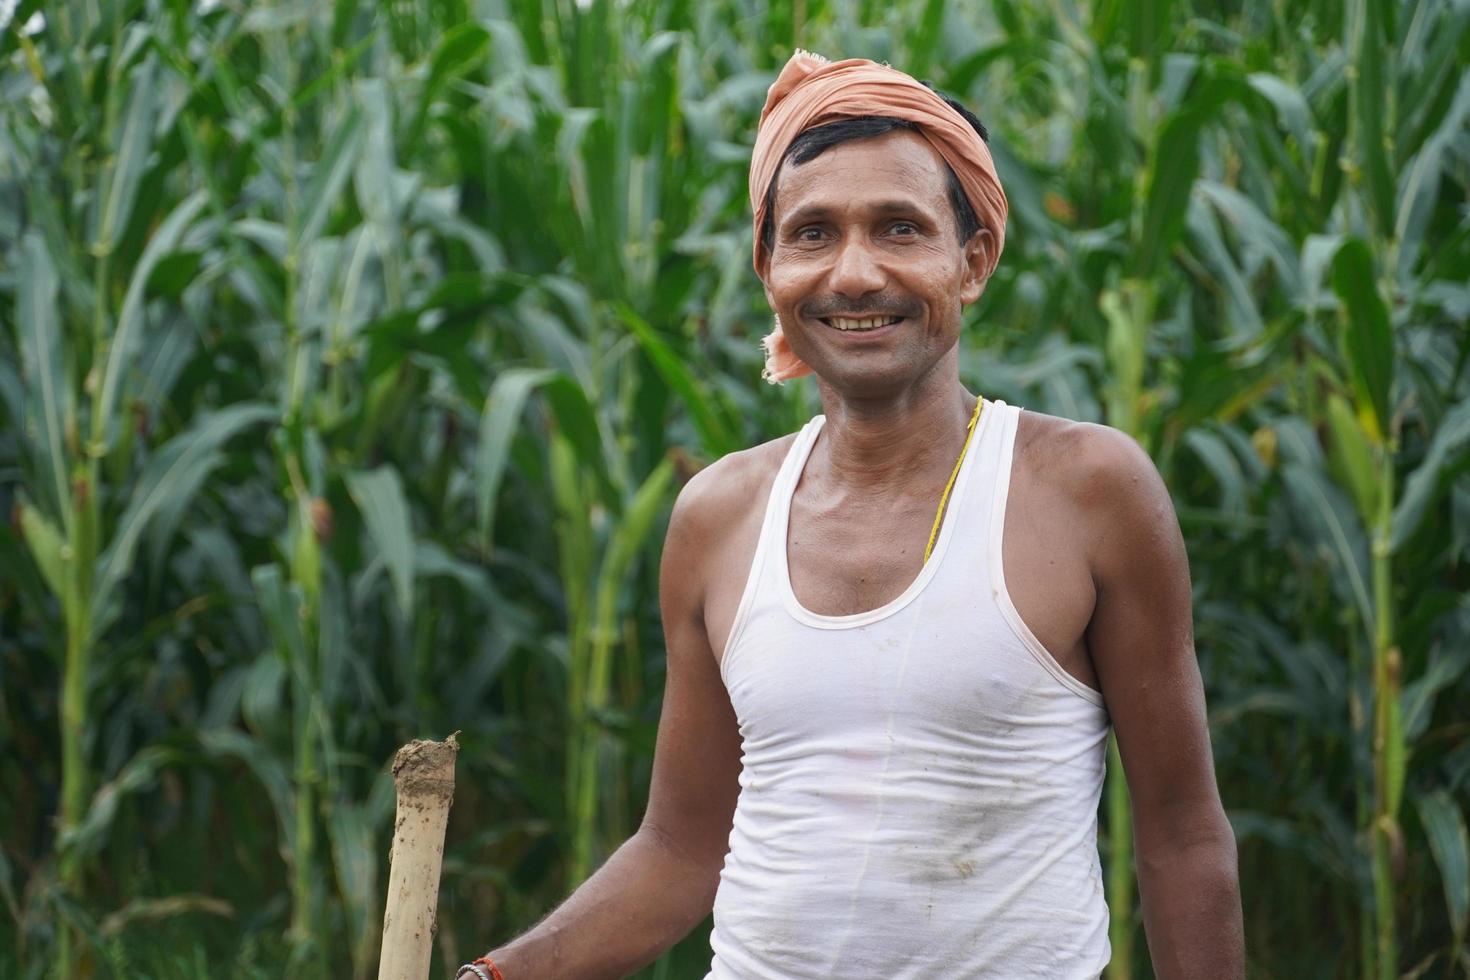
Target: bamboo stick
(423, 776)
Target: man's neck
(893, 446)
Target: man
(879, 758)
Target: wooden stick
(423, 775)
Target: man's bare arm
(1142, 646)
(661, 882)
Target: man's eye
(904, 228)
(809, 235)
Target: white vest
(919, 782)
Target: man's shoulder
(1094, 464)
(718, 495)
(1106, 485)
(1101, 475)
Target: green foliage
(351, 355)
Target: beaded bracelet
(478, 968)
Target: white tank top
(919, 782)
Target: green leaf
(1444, 827)
(18, 570)
(1217, 457)
(328, 176)
(130, 153)
(46, 547)
(379, 495)
(925, 39)
(1419, 191)
(177, 469)
(1172, 172)
(1445, 457)
(1256, 231)
(173, 273)
(40, 341)
(1291, 106)
(1368, 341)
(1447, 665)
(576, 418)
(1174, 164)
(633, 530)
(458, 51)
(261, 694)
(280, 607)
(140, 774)
(1242, 320)
(342, 63)
(268, 770)
(373, 175)
(1339, 535)
(121, 351)
(714, 432)
(1148, 22)
(1352, 457)
(355, 858)
(612, 577)
(497, 430)
(1369, 50)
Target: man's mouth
(859, 324)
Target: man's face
(866, 232)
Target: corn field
(351, 356)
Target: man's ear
(978, 251)
(764, 274)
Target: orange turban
(812, 91)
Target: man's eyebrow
(818, 212)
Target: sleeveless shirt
(919, 782)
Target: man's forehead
(881, 173)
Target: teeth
(866, 323)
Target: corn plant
(350, 357)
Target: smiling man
(898, 638)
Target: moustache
(878, 305)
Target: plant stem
(74, 781)
(1120, 868)
(1388, 735)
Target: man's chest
(843, 560)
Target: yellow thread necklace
(970, 431)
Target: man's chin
(882, 371)
(866, 378)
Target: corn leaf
(1372, 60)
(122, 350)
(177, 470)
(1368, 338)
(46, 547)
(379, 496)
(40, 341)
(329, 175)
(1444, 826)
(130, 154)
(1352, 457)
(715, 434)
(1446, 456)
(498, 423)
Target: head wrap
(812, 91)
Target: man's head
(813, 142)
(874, 198)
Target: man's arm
(661, 882)
(1141, 640)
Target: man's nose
(856, 270)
